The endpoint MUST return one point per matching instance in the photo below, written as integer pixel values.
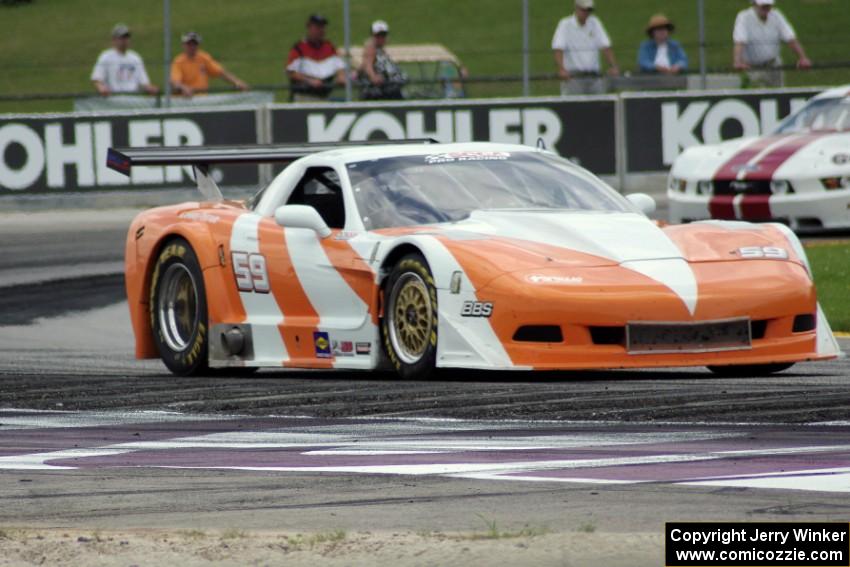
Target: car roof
(835, 92)
(363, 153)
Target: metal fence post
(620, 141)
(166, 48)
(702, 61)
(263, 121)
(346, 17)
(526, 67)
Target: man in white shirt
(758, 35)
(120, 70)
(576, 45)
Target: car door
(322, 287)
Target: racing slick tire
(178, 310)
(745, 370)
(409, 325)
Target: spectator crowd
(314, 67)
(758, 35)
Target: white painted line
(36, 461)
(816, 480)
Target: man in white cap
(758, 35)
(576, 45)
(120, 70)
(380, 76)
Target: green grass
(586, 527)
(49, 46)
(331, 538)
(831, 266)
(494, 532)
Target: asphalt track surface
(91, 437)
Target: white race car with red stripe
(798, 175)
(418, 256)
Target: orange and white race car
(416, 256)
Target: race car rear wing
(201, 158)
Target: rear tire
(178, 310)
(747, 370)
(409, 326)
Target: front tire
(178, 310)
(750, 370)
(409, 326)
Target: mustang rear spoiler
(201, 158)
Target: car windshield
(448, 186)
(822, 115)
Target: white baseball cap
(380, 26)
(585, 4)
(120, 30)
(763, 2)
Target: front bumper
(592, 316)
(811, 210)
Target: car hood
(589, 238)
(562, 244)
(702, 162)
(777, 156)
(516, 240)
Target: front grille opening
(539, 334)
(608, 335)
(758, 328)
(745, 187)
(809, 222)
(803, 323)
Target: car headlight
(677, 184)
(780, 187)
(833, 183)
(704, 188)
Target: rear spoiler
(201, 158)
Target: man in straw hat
(758, 35)
(576, 45)
(659, 53)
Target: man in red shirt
(313, 65)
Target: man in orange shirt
(192, 69)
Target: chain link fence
(504, 46)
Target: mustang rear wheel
(745, 370)
(178, 309)
(409, 325)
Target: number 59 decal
(771, 252)
(250, 271)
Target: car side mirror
(642, 202)
(302, 216)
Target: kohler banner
(659, 127)
(67, 152)
(583, 131)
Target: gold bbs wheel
(411, 317)
(409, 325)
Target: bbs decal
(476, 309)
(250, 271)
